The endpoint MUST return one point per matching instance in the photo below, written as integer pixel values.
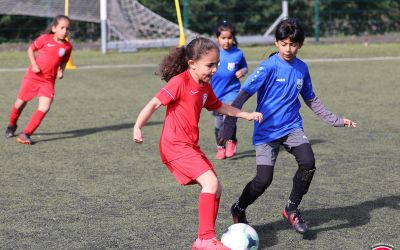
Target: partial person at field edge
(225, 82)
(48, 56)
(279, 82)
(188, 71)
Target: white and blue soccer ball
(240, 236)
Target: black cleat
(295, 219)
(238, 214)
(10, 131)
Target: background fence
(251, 17)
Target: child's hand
(349, 123)
(254, 116)
(35, 68)
(137, 135)
(60, 74)
(239, 74)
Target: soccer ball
(240, 236)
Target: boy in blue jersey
(278, 82)
(225, 82)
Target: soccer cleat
(230, 148)
(209, 244)
(10, 131)
(296, 220)
(220, 153)
(24, 139)
(238, 214)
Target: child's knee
(212, 186)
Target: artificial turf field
(85, 185)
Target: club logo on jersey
(231, 66)
(205, 96)
(299, 83)
(280, 79)
(61, 52)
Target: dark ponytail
(56, 20)
(226, 26)
(176, 61)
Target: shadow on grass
(352, 216)
(88, 131)
(252, 153)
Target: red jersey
(49, 56)
(184, 98)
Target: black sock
(291, 206)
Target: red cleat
(24, 139)
(220, 153)
(230, 148)
(210, 244)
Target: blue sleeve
(256, 80)
(307, 91)
(243, 62)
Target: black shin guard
(304, 175)
(216, 131)
(257, 186)
(233, 138)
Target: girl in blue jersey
(225, 82)
(278, 82)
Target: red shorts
(33, 87)
(187, 169)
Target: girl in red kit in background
(48, 56)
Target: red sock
(216, 207)
(34, 122)
(14, 115)
(206, 216)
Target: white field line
(318, 60)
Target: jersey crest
(231, 66)
(205, 96)
(61, 52)
(299, 83)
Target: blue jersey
(225, 84)
(278, 84)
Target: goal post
(69, 65)
(284, 15)
(103, 23)
(182, 40)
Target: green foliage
(15, 28)
(251, 17)
(353, 17)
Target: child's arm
(327, 116)
(143, 117)
(226, 109)
(31, 55)
(241, 72)
(226, 131)
(60, 72)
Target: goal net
(130, 25)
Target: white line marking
(318, 60)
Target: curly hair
(177, 60)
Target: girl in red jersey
(48, 56)
(188, 71)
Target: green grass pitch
(86, 185)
